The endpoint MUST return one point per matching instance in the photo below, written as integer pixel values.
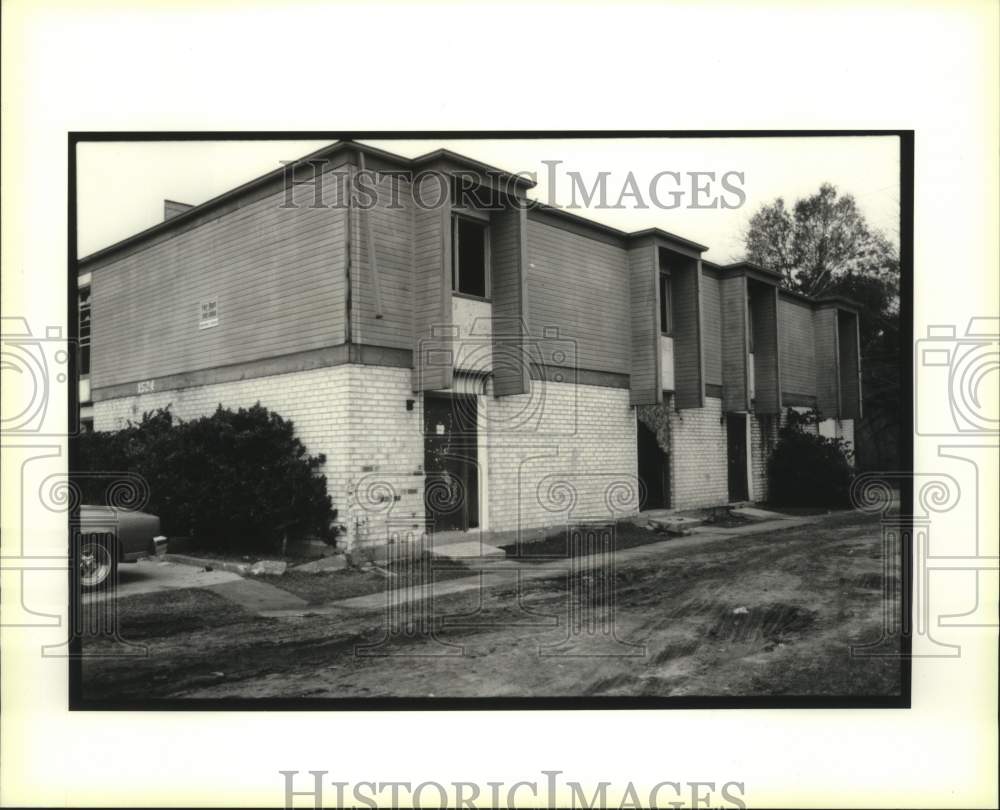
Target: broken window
(470, 257)
(666, 305)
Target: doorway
(451, 481)
(654, 470)
(736, 453)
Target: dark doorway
(451, 483)
(736, 446)
(654, 470)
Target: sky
(121, 186)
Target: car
(107, 537)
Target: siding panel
(578, 286)
(711, 310)
(689, 390)
(735, 396)
(432, 362)
(646, 378)
(798, 350)
(827, 368)
(278, 275)
(507, 257)
(765, 329)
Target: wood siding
(432, 362)
(711, 320)
(689, 389)
(827, 368)
(735, 393)
(391, 222)
(578, 289)
(508, 246)
(848, 341)
(764, 310)
(644, 307)
(797, 348)
(278, 275)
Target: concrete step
(468, 550)
(664, 521)
(757, 514)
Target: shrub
(235, 480)
(806, 469)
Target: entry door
(654, 470)
(451, 483)
(736, 433)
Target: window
(470, 257)
(750, 326)
(84, 312)
(209, 314)
(666, 305)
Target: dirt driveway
(769, 614)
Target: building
(465, 360)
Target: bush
(233, 481)
(806, 469)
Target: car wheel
(97, 564)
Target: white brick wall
(763, 437)
(699, 474)
(315, 400)
(354, 415)
(561, 452)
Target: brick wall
(763, 438)
(698, 469)
(561, 452)
(316, 401)
(355, 415)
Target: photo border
(76, 701)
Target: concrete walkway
(152, 575)
(506, 572)
(257, 596)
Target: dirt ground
(761, 615)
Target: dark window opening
(666, 305)
(84, 333)
(470, 264)
(750, 330)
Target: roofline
(180, 220)
(814, 301)
(610, 230)
(486, 168)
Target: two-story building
(464, 359)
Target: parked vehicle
(107, 537)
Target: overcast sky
(122, 186)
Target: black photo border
(76, 701)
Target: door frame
(472, 446)
(665, 469)
(744, 418)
